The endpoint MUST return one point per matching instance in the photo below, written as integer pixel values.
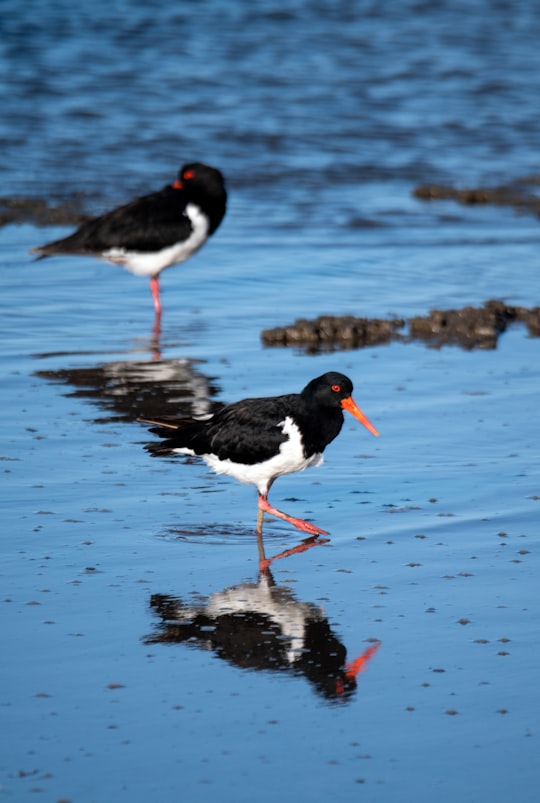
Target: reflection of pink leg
(154, 289)
(264, 563)
(300, 524)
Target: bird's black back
(151, 222)
(251, 431)
(146, 224)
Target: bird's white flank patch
(289, 458)
(150, 264)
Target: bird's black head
(198, 175)
(204, 186)
(329, 389)
(334, 390)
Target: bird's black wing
(146, 224)
(248, 431)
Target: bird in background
(155, 231)
(257, 440)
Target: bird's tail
(164, 428)
(38, 254)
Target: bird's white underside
(150, 264)
(289, 458)
(280, 608)
(276, 603)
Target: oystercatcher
(258, 440)
(155, 231)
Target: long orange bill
(351, 407)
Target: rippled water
(145, 656)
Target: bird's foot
(305, 526)
(300, 524)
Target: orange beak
(177, 185)
(351, 407)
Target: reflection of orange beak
(351, 407)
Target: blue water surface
(324, 117)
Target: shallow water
(144, 654)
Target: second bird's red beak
(351, 407)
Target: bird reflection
(130, 389)
(262, 626)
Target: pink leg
(154, 289)
(300, 524)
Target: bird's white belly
(142, 263)
(289, 458)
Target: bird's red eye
(336, 388)
(189, 174)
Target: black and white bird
(155, 231)
(258, 440)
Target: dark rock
(532, 321)
(38, 212)
(469, 328)
(516, 194)
(333, 332)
